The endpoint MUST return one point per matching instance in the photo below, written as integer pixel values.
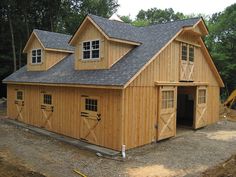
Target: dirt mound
(226, 113)
(226, 169)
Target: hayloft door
(166, 125)
(184, 69)
(201, 107)
(187, 62)
(90, 118)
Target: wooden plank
(185, 41)
(65, 85)
(181, 83)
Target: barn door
(46, 110)
(201, 107)
(19, 102)
(90, 118)
(167, 112)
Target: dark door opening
(185, 106)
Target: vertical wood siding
(66, 118)
(141, 96)
(53, 57)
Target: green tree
(126, 19)
(222, 44)
(155, 15)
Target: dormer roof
(51, 41)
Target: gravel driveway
(188, 154)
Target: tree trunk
(20, 50)
(51, 23)
(12, 42)
(27, 25)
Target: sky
(207, 7)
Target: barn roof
(152, 39)
(52, 40)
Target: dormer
(45, 49)
(96, 46)
(190, 40)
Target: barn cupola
(44, 49)
(115, 17)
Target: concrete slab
(66, 139)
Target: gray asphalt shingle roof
(54, 40)
(152, 39)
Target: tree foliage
(19, 17)
(155, 15)
(221, 42)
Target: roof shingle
(152, 38)
(54, 40)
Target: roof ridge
(111, 20)
(51, 32)
(171, 22)
(138, 27)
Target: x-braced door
(201, 107)
(19, 109)
(167, 112)
(47, 109)
(187, 62)
(90, 118)
(19, 102)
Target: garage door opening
(185, 107)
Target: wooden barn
(113, 84)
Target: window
(91, 50)
(91, 104)
(86, 50)
(187, 52)
(47, 99)
(36, 56)
(184, 51)
(19, 95)
(167, 99)
(201, 96)
(191, 53)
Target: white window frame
(91, 50)
(36, 50)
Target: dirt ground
(225, 169)
(205, 152)
(189, 154)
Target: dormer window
(36, 56)
(91, 50)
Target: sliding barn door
(201, 107)
(166, 125)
